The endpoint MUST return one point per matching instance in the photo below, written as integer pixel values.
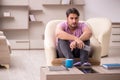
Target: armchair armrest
(3, 44)
(96, 47)
(4, 51)
(104, 39)
(50, 52)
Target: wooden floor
(113, 57)
(25, 64)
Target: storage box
(6, 14)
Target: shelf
(115, 22)
(14, 6)
(35, 10)
(116, 27)
(116, 41)
(8, 29)
(35, 22)
(63, 4)
(7, 17)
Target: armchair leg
(104, 56)
(5, 65)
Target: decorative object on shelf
(65, 1)
(32, 17)
(6, 14)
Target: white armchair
(49, 42)
(5, 50)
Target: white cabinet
(19, 44)
(19, 39)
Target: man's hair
(72, 10)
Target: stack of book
(111, 66)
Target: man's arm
(60, 33)
(87, 33)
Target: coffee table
(75, 74)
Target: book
(111, 66)
(32, 17)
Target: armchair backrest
(50, 32)
(99, 26)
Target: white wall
(103, 8)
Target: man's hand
(80, 43)
(73, 45)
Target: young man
(72, 37)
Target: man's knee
(61, 40)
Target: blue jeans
(64, 51)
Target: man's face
(72, 20)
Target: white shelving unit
(115, 35)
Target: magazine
(57, 68)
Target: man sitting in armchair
(72, 37)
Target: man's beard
(73, 26)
